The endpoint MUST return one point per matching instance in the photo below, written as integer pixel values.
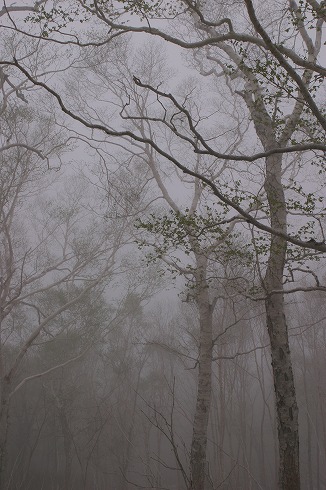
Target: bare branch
(48, 371)
(183, 168)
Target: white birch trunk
(198, 464)
(286, 406)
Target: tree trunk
(286, 406)
(67, 445)
(198, 465)
(127, 456)
(4, 425)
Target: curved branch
(24, 8)
(23, 145)
(291, 71)
(321, 247)
(48, 371)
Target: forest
(162, 245)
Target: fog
(162, 220)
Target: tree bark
(198, 464)
(286, 405)
(4, 426)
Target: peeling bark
(198, 463)
(286, 405)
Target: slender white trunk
(198, 463)
(286, 405)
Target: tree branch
(48, 371)
(183, 168)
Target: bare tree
(188, 242)
(50, 259)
